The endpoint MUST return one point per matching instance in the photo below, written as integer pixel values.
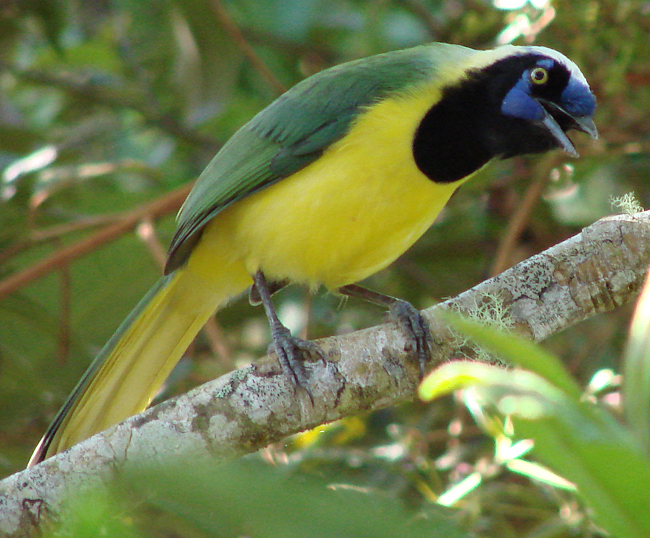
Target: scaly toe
(416, 327)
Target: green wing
(293, 132)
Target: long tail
(135, 362)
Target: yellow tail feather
(134, 364)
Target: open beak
(553, 113)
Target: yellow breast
(347, 215)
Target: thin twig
(146, 232)
(65, 299)
(164, 205)
(79, 225)
(237, 35)
(520, 218)
(55, 232)
(215, 335)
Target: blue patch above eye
(519, 103)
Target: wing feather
(293, 132)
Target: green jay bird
(327, 185)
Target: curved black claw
(290, 352)
(416, 328)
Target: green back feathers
(294, 130)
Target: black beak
(555, 116)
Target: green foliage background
(112, 104)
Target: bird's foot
(416, 328)
(407, 317)
(291, 352)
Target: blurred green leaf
(512, 349)
(636, 387)
(95, 514)
(574, 437)
(207, 74)
(246, 498)
(52, 16)
(255, 499)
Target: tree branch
(593, 272)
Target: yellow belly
(345, 216)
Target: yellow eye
(539, 75)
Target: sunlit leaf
(636, 388)
(574, 438)
(514, 349)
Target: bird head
(552, 95)
(506, 102)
